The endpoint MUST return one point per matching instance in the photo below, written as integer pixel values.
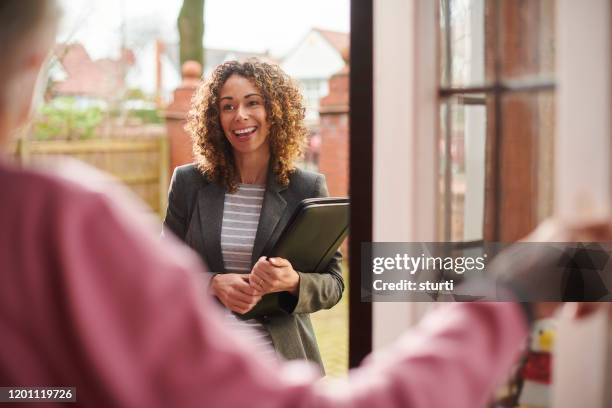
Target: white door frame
(583, 183)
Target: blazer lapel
(271, 212)
(211, 198)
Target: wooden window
(497, 95)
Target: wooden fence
(141, 164)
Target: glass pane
(442, 42)
(462, 167)
(462, 37)
(476, 33)
(526, 168)
(527, 39)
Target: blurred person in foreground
(91, 300)
(230, 206)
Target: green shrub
(62, 119)
(146, 115)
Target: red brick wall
(176, 112)
(334, 128)
(334, 159)
(334, 155)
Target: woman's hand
(234, 291)
(274, 275)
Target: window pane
(463, 38)
(527, 32)
(520, 33)
(526, 162)
(462, 167)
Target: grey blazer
(195, 214)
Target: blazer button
(265, 318)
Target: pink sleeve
(453, 358)
(139, 332)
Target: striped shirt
(241, 212)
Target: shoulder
(43, 203)
(305, 177)
(306, 183)
(189, 173)
(23, 185)
(187, 180)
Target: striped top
(241, 212)
(240, 219)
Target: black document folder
(312, 236)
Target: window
(496, 139)
(497, 95)
(313, 90)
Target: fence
(141, 164)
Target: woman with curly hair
(247, 127)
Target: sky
(245, 25)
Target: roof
(86, 77)
(339, 40)
(214, 56)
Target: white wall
(405, 126)
(312, 58)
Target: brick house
(74, 73)
(312, 62)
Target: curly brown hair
(284, 112)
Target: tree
(191, 31)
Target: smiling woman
(232, 203)
(244, 123)
(236, 96)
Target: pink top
(91, 299)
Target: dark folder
(312, 236)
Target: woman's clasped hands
(241, 292)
